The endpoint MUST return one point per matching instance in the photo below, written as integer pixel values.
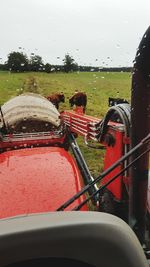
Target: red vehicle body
(27, 191)
(39, 175)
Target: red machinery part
(37, 180)
(113, 153)
(82, 124)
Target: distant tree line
(19, 62)
(105, 69)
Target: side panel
(113, 153)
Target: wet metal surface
(36, 180)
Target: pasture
(97, 85)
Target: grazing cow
(115, 101)
(56, 99)
(79, 99)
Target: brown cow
(56, 99)
(79, 99)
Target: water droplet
(23, 127)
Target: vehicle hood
(34, 180)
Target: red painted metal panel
(37, 180)
(113, 153)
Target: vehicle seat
(79, 238)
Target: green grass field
(97, 85)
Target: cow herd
(79, 99)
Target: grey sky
(96, 32)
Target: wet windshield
(51, 51)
